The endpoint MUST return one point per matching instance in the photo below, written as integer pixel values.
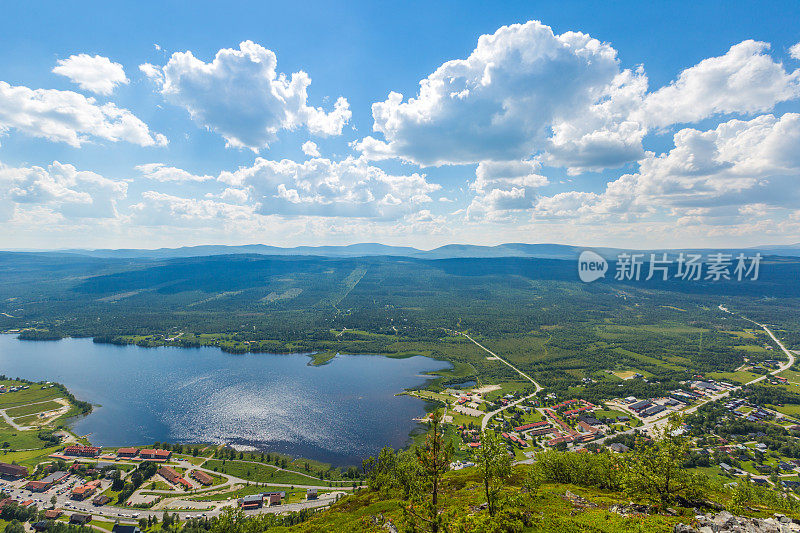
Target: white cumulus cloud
(160, 209)
(61, 189)
(97, 74)
(241, 96)
(794, 51)
(744, 80)
(724, 172)
(497, 104)
(525, 92)
(70, 117)
(310, 148)
(322, 187)
(164, 173)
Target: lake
(339, 413)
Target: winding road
(488, 416)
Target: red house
(128, 452)
(82, 451)
(152, 454)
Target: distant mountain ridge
(448, 251)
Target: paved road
(488, 416)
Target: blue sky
(625, 123)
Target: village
(81, 483)
(530, 424)
(49, 474)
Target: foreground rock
(726, 522)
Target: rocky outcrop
(726, 522)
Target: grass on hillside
(548, 511)
(292, 495)
(261, 473)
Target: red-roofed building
(81, 492)
(202, 478)
(532, 426)
(37, 486)
(170, 474)
(152, 454)
(127, 452)
(173, 477)
(573, 412)
(7, 501)
(558, 440)
(588, 428)
(542, 431)
(82, 451)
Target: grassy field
(260, 473)
(20, 440)
(789, 410)
(27, 420)
(24, 397)
(740, 377)
(791, 375)
(30, 409)
(609, 413)
(28, 457)
(197, 461)
(292, 495)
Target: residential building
(11, 470)
(152, 454)
(254, 501)
(80, 519)
(100, 500)
(46, 482)
(82, 451)
(202, 478)
(81, 492)
(125, 528)
(168, 473)
(653, 410)
(127, 452)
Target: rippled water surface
(340, 412)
